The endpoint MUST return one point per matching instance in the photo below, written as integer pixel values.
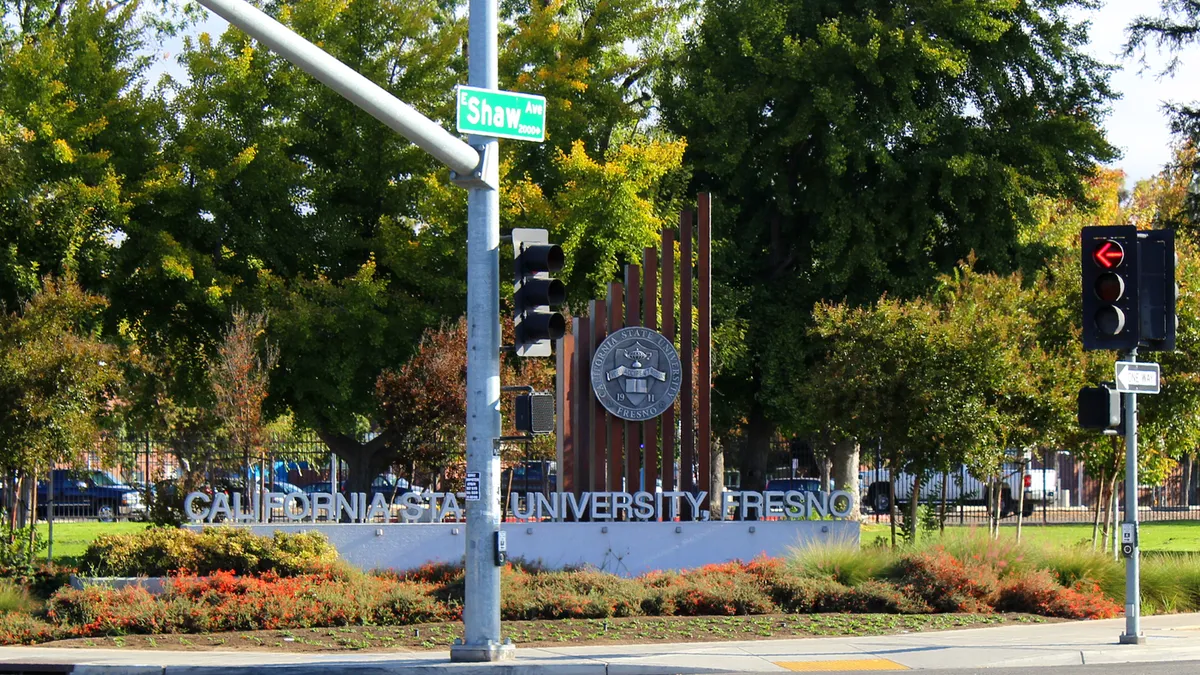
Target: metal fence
(1059, 488)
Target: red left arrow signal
(1109, 254)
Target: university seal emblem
(636, 373)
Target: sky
(1136, 124)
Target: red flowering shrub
(1037, 592)
(721, 589)
(17, 628)
(945, 583)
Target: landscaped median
(239, 582)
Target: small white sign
(472, 486)
(1137, 378)
(1128, 535)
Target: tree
(1177, 27)
(75, 131)
(423, 404)
(858, 148)
(58, 385)
(240, 374)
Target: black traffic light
(1101, 408)
(534, 413)
(1157, 291)
(535, 293)
(1110, 287)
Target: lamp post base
(1133, 639)
(492, 651)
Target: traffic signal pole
(481, 604)
(1133, 595)
(475, 167)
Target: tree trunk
(1099, 508)
(1021, 497)
(753, 462)
(845, 473)
(1185, 482)
(892, 503)
(826, 464)
(364, 461)
(914, 509)
(942, 510)
(716, 480)
(26, 498)
(1112, 488)
(997, 489)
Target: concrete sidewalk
(1170, 638)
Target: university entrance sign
(636, 374)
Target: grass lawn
(72, 539)
(1175, 537)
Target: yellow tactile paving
(840, 665)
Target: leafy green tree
(862, 148)
(75, 131)
(58, 386)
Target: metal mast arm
(396, 114)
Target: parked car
(532, 476)
(963, 487)
(90, 493)
(792, 485)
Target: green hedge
(160, 551)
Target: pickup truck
(92, 494)
(1039, 485)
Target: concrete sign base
(628, 549)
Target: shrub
(23, 629)
(725, 589)
(945, 583)
(806, 595)
(581, 594)
(161, 551)
(1037, 592)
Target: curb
(517, 668)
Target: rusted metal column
(599, 421)
(687, 439)
(704, 368)
(668, 329)
(565, 395)
(583, 404)
(633, 430)
(650, 320)
(616, 427)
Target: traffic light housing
(1157, 290)
(1110, 287)
(535, 293)
(1101, 408)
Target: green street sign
(502, 114)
